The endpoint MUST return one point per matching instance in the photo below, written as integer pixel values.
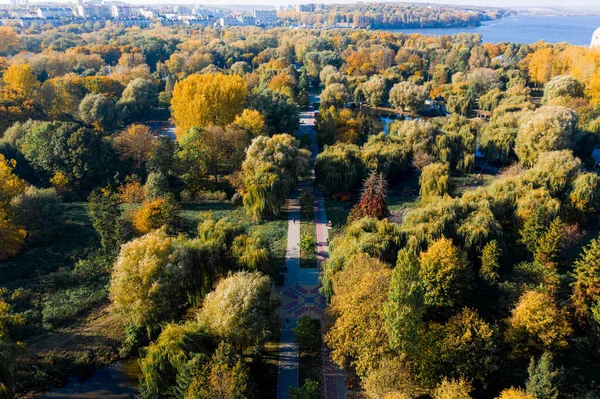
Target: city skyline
(276, 3)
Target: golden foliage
(538, 323)
(208, 99)
(252, 121)
(358, 336)
(20, 82)
(515, 393)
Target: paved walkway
(300, 291)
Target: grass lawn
(308, 260)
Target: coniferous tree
(542, 376)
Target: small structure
(596, 38)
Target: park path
(300, 289)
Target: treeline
(394, 16)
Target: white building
(94, 11)
(596, 38)
(121, 11)
(54, 12)
(265, 17)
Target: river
(527, 29)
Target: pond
(116, 381)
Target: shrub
(308, 243)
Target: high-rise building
(265, 17)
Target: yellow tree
(252, 121)
(537, 324)
(358, 336)
(10, 186)
(514, 393)
(593, 88)
(9, 41)
(208, 99)
(540, 65)
(20, 82)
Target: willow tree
(338, 167)
(266, 190)
(551, 128)
(435, 180)
(241, 309)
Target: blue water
(526, 29)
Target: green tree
(586, 287)
(157, 185)
(104, 208)
(542, 378)
(150, 280)
(40, 212)
(309, 390)
(405, 305)
(490, 265)
(308, 243)
(307, 204)
(335, 94)
(374, 90)
(562, 86)
(308, 334)
(279, 110)
(551, 128)
(98, 110)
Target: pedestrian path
(300, 291)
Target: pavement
(300, 291)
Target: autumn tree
(358, 337)
(252, 121)
(453, 389)
(20, 82)
(156, 213)
(335, 94)
(208, 99)
(515, 393)
(446, 274)
(550, 128)
(241, 309)
(372, 198)
(490, 262)
(307, 204)
(136, 143)
(408, 96)
(537, 324)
